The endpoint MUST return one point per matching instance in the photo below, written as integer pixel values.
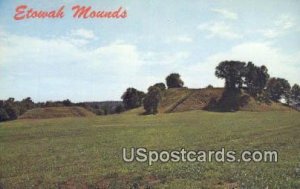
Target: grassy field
(87, 152)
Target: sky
(97, 59)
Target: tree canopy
(278, 88)
(174, 81)
(256, 78)
(161, 86)
(295, 93)
(132, 98)
(233, 73)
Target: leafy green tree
(132, 98)
(256, 78)
(67, 102)
(25, 104)
(233, 73)
(3, 115)
(11, 111)
(119, 109)
(209, 86)
(28, 103)
(278, 88)
(161, 86)
(295, 93)
(152, 100)
(174, 81)
(11, 108)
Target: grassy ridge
(87, 151)
(56, 112)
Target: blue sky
(97, 59)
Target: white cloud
(219, 29)
(285, 22)
(57, 68)
(270, 33)
(281, 26)
(180, 39)
(226, 13)
(83, 33)
(117, 58)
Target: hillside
(184, 99)
(199, 99)
(56, 112)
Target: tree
(28, 103)
(173, 81)
(11, 108)
(152, 100)
(161, 86)
(3, 115)
(67, 102)
(11, 111)
(132, 98)
(278, 88)
(25, 104)
(119, 109)
(49, 104)
(210, 86)
(256, 78)
(295, 93)
(233, 73)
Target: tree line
(257, 82)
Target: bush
(152, 100)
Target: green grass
(85, 152)
(56, 112)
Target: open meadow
(87, 152)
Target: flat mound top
(56, 112)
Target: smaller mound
(56, 112)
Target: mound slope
(56, 112)
(198, 99)
(180, 100)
